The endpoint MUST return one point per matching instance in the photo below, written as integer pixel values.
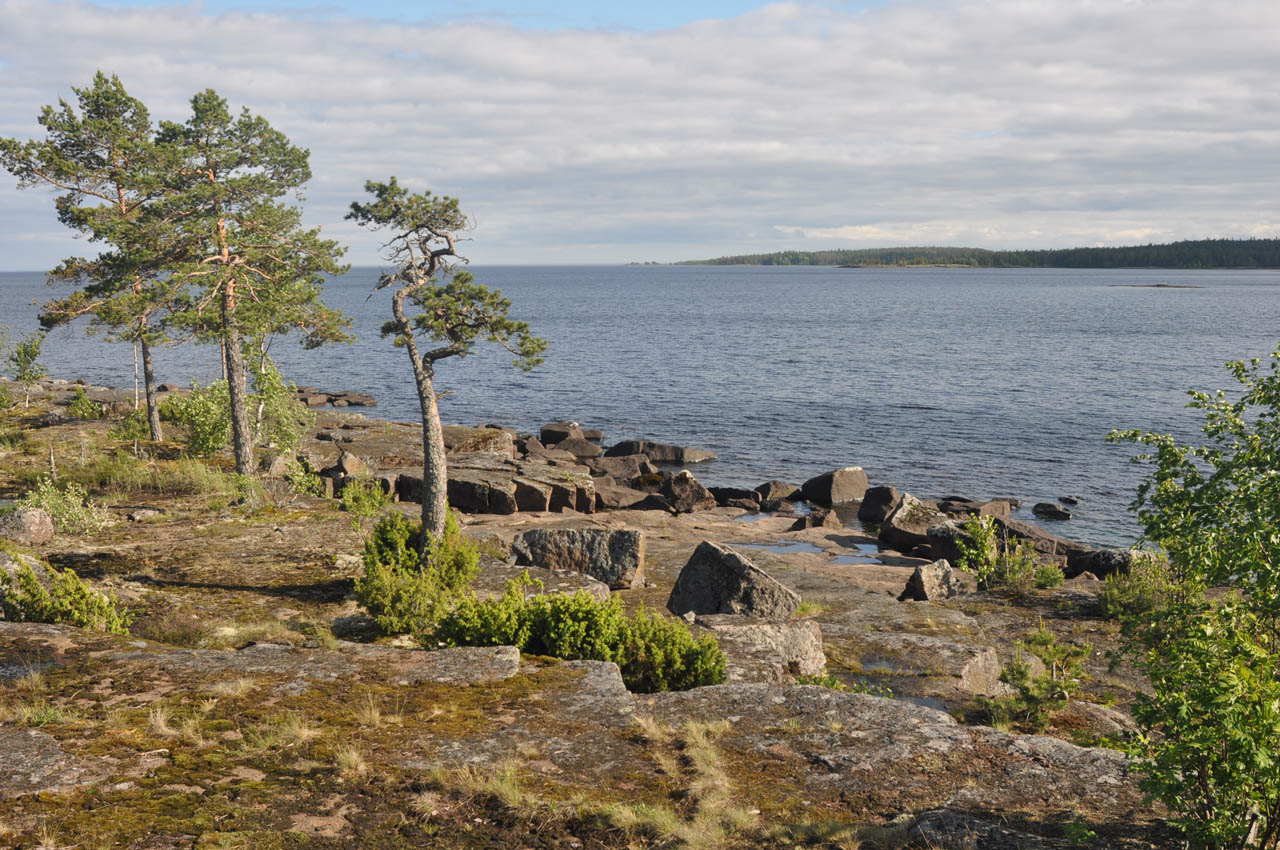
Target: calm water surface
(939, 381)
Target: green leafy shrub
(827, 680)
(280, 420)
(303, 481)
(83, 407)
(68, 601)
(24, 364)
(130, 428)
(977, 545)
(653, 652)
(405, 593)
(205, 414)
(1039, 697)
(1048, 575)
(1141, 591)
(6, 398)
(67, 505)
(364, 499)
(1210, 726)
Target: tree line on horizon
(1187, 254)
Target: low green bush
(978, 548)
(132, 427)
(303, 481)
(364, 499)
(653, 652)
(68, 601)
(68, 506)
(1141, 591)
(83, 407)
(205, 414)
(828, 680)
(408, 594)
(1048, 575)
(1039, 697)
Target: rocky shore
(836, 576)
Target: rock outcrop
(613, 557)
(766, 650)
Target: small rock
(781, 490)
(1048, 510)
(777, 506)
(685, 494)
(556, 432)
(931, 582)
(143, 514)
(817, 519)
(1069, 500)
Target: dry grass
(369, 712)
(284, 730)
(352, 764)
(233, 687)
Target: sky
(578, 132)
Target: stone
(720, 580)
(532, 495)
(529, 446)
(946, 830)
(624, 468)
(1049, 510)
(579, 448)
(817, 519)
(34, 763)
(771, 490)
(951, 662)
(613, 557)
(1102, 562)
(724, 495)
(612, 496)
(350, 465)
(777, 506)
(1059, 549)
(143, 514)
(749, 505)
(317, 400)
(27, 526)
(878, 503)
(836, 487)
(685, 494)
(759, 650)
(595, 435)
(554, 432)
(462, 440)
(907, 527)
(934, 581)
(277, 467)
(661, 452)
(496, 575)
(966, 508)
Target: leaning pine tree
(454, 314)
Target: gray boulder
(614, 557)
(623, 468)
(931, 582)
(878, 503)
(1102, 562)
(685, 494)
(720, 580)
(1049, 510)
(580, 448)
(612, 496)
(725, 495)
(767, 650)
(836, 487)
(779, 490)
(27, 527)
(661, 452)
(555, 432)
(908, 526)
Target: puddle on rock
(853, 560)
(796, 547)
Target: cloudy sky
(578, 132)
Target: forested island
(1188, 254)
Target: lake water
(938, 381)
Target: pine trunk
(435, 477)
(241, 436)
(149, 388)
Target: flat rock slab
(464, 665)
(494, 575)
(968, 667)
(33, 763)
(764, 650)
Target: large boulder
(580, 448)
(661, 452)
(624, 468)
(780, 490)
(737, 495)
(614, 557)
(720, 580)
(612, 496)
(27, 526)
(685, 494)
(935, 581)
(555, 432)
(767, 650)
(908, 526)
(836, 487)
(1103, 562)
(878, 503)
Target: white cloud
(1006, 123)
